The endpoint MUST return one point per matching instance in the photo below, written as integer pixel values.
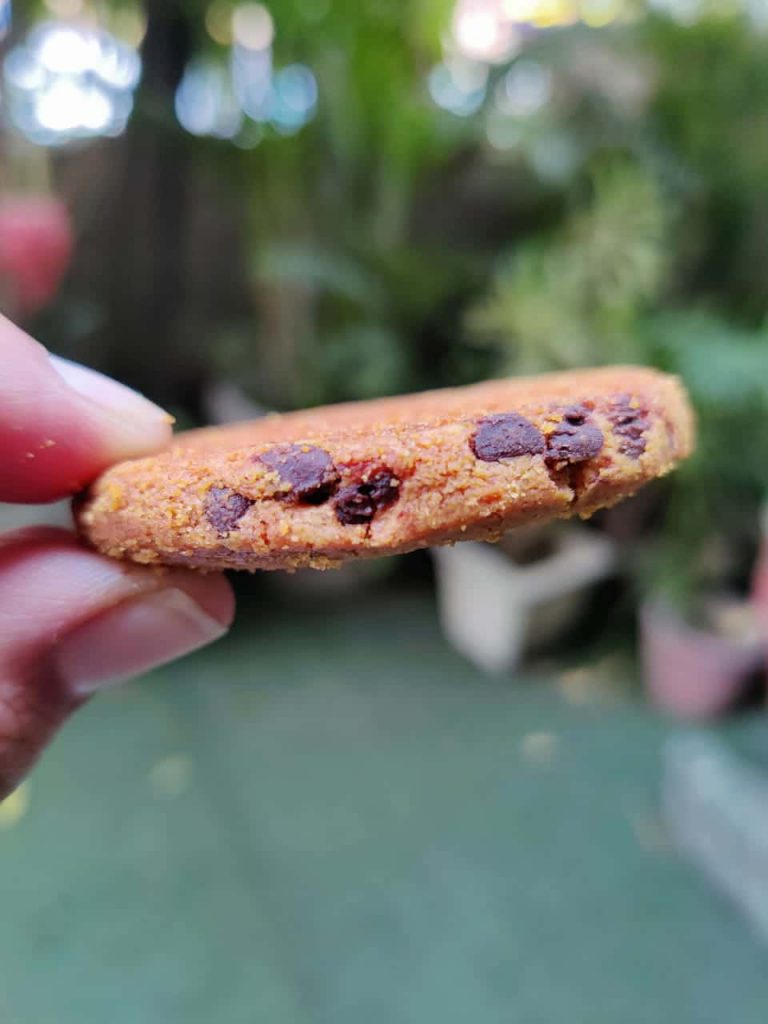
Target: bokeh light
(684, 11)
(65, 8)
(293, 98)
(758, 12)
(520, 10)
(252, 80)
(5, 17)
(69, 81)
(555, 13)
(129, 24)
(524, 89)
(252, 26)
(458, 86)
(495, 32)
(503, 133)
(234, 101)
(206, 103)
(481, 32)
(598, 13)
(553, 156)
(218, 22)
(67, 106)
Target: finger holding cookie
(72, 621)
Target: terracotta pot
(759, 590)
(695, 673)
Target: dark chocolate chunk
(308, 470)
(224, 508)
(359, 503)
(631, 424)
(505, 436)
(573, 442)
(576, 415)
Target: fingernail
(117, 400)
(110, 394)
(132, 638)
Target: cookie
(375, 478)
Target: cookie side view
(383, 477)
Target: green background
(356, 829)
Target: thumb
(62, 424)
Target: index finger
(62, 424)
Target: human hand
(72, 621)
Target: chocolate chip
(505, 436)
(308, 470)
(573, 442)
(576, 415)
(359, 503)
(630, 423)
(224, 508)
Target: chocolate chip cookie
(375, 478)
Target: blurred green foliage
(659, 257)
(714, 500)
(616, 213)
(331, 211)
(574, 298)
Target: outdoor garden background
(335, 815)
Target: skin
(72, 621)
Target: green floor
(340, 822)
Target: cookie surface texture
(382, 477)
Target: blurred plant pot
(759, 587)
(35, 249)
(498, 601)
(698, 672)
